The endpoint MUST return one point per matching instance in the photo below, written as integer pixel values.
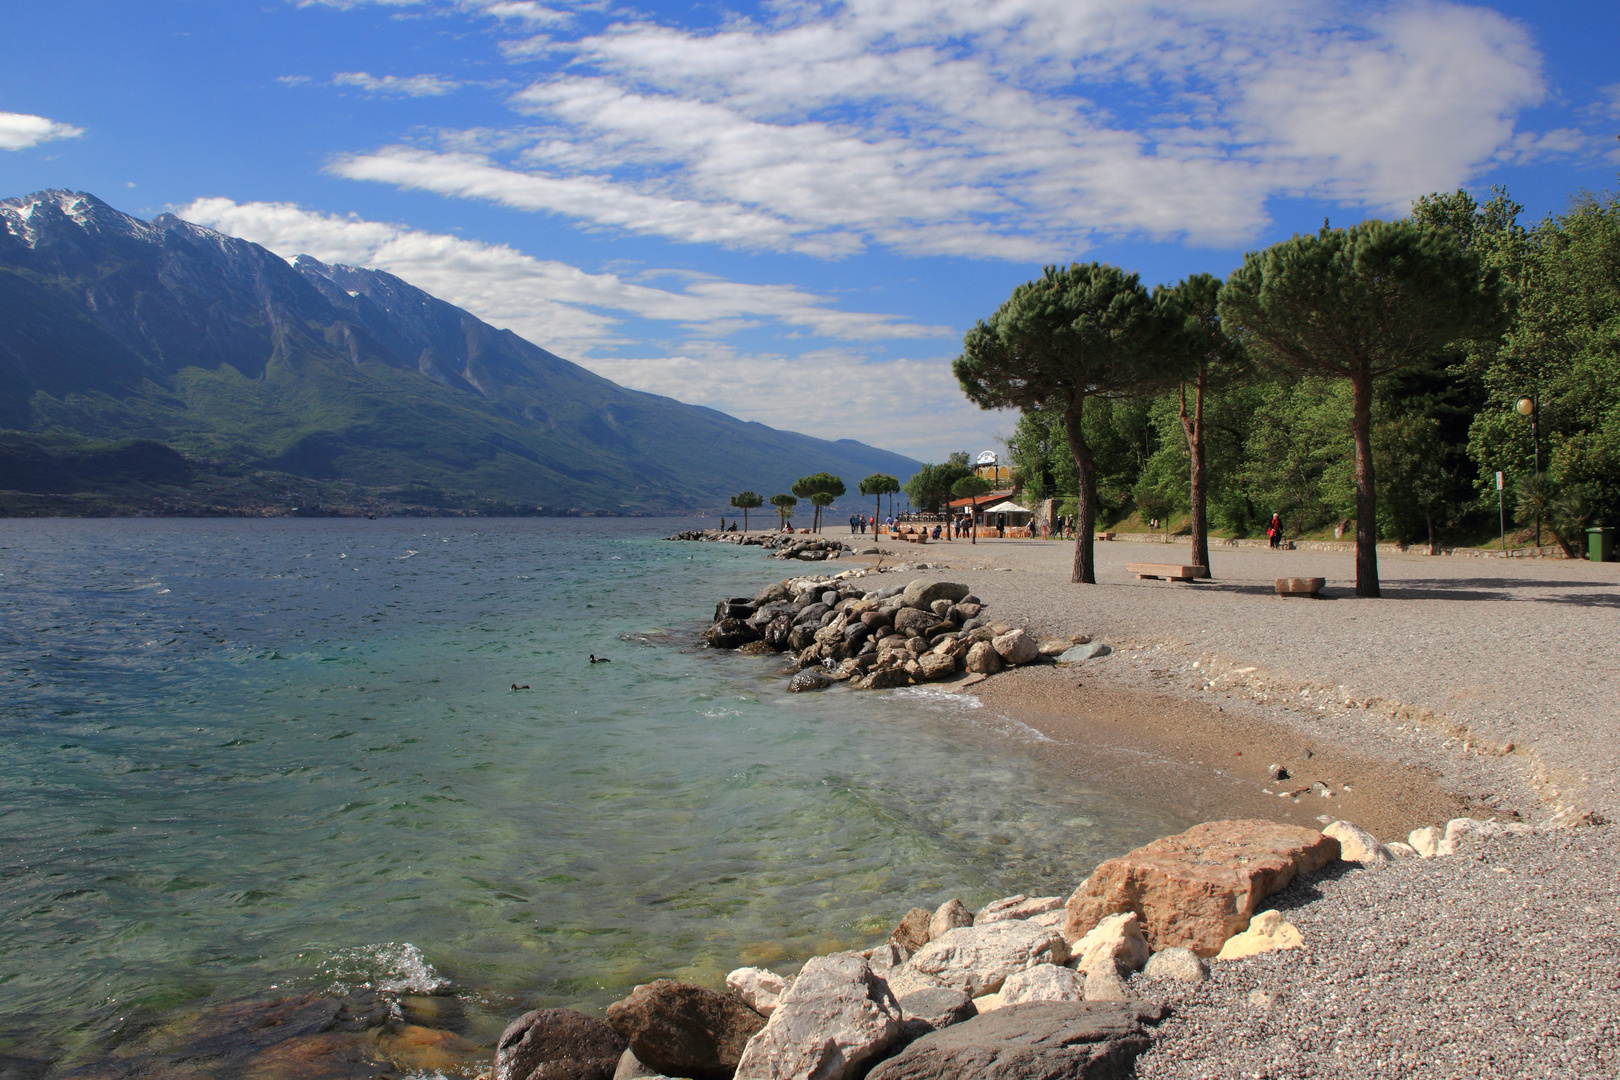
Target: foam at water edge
(396, 968)
(940, 700)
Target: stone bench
(1300, 586)
(1153, 571)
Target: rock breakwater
(1022, 987)
(801, 545)
(840, 630)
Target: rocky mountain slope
(286, 383)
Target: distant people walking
(1274, 531)
(854, 524)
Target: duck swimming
(600, 659)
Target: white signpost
(1501, 511)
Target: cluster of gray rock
(1024, 987)
(878, 638)
(803, 546)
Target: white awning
(1006, 508)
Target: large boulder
(1200, 887)
(977, 959)
(685, 1030)
(729, 634)
(1115, 940)
(1176, 965)
(912, 933)
(982, 659)
(772, 594)
(920, 621)
(779, 633)
(1043, 982)
(928, 1010)
(759, 989)
(1267, 932)
(947, 917)
(937, 665)
(1016, 907)
(1357, 845)
(557, 1044)
(809, 679)
(1017, 647)
(738, 607)
(922, 594)
(836, 1016)
(1038, 1040)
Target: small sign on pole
(1501, 510)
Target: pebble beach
(1495, 677)
(1475, 688)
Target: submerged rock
(810, 679)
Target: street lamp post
(1531, 407)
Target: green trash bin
(1600, 544)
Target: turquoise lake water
(247, 757)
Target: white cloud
(1610, 101)
(395, 85)
(909, 405)
(19, 131)
(553, 304)
(1018, 129)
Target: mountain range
(162, 365)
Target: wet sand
(1211, 761)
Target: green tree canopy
(1562, 351)
(930, 486)
(821, 483)
(1361, 304)
(784, 506)
(746, 501)
(878, 485)
(1074, 333)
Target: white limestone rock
(949, 916)
(1426, 841)
(1176, 965)
(837, 1015)
(1016, 907)
(1043, 982)
(1118, 938)
(977, 959)
(759, 989)
(1357, 845)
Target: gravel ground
(1500, 961)
(1503, 675)
(1460, 659)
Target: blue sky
(792, 211)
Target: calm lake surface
(249, 758)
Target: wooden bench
(1153, 571)
(1300, 586)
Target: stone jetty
(801, 544)
(840, 630)
(1024, 987)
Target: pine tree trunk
(1366, 491)
(1085, 568)
(1193, 426)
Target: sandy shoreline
(1210, 763)
(1493, 680)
